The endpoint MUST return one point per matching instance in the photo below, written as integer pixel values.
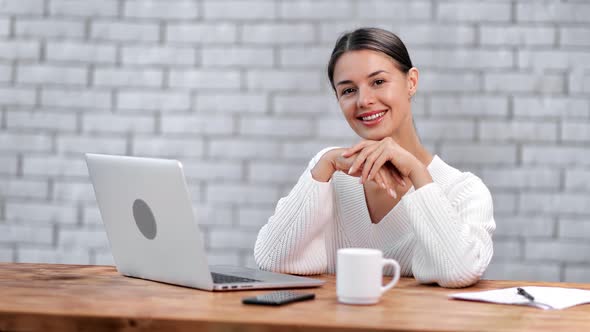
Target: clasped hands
(385, 162)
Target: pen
(524, 293)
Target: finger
(377, 165)
(380, 181)
(397, 175)
(384, 173)
(356, 148)
(370, 160)
(360, 159)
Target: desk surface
(93, 298)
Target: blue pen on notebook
(524, 293)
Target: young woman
(386, 192)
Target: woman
(386, 192)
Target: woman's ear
(412, 81)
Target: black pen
(524, 293)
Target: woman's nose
(366, 98)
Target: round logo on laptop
(144, 218)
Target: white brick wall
(158, 55)
(472, 12)
(4, 27)
(575, 229)
(464, 59)
(53, 166)
(577, 180)
(76, 8)
(6, 254)
(236, 57)
(516, 35)
(15, 187)
(17, 96)
(553, 11)
(531, 225)
(40, 120)
(553, 59)
(436, 34)
(75, 98)
(16, 233)
(122, 32)
(118, 123)
(519, 270)
(161, 9)
(211, 33)
(75, 51)
(551, 107)
(140, 100)
(118, 77)
(522, 178)
(19, 49)
(167, 147)
(76, 145)
(238, 10)
(40, 28)
(12, 142)
(201, 79)
(237, 91)
(383, 9)
(213, 170)
(8, 165)
(224, 102)
(42, 213)
(48, 75)
(524, 83)
(26, 7)
(275, 127)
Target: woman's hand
(331, 162)
(334, 160)
(371, 156)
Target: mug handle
(396, 275)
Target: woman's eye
(347, 91)
(379, 82)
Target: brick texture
(237, 91)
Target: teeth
(372, 117)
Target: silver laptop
(146, 209)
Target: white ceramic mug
(359, 275)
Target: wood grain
(48, 297)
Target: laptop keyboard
(219, 278)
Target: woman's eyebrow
(368, 76)
(376, 73)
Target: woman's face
(373, 93)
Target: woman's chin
(373, 135)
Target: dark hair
(374, 39)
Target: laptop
(153, 234)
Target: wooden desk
(45, 297)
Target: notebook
(542, 297)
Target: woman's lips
(372, 118)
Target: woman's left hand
(372, 155)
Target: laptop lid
(153, 234)
(148, 217)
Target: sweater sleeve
(453, 232)
(293, 240)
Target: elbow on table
(289, 265)
(457, 280)
(462, 276)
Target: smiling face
(374, 94)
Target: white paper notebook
(544, 297)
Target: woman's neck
(407, 138)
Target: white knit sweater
(440, 233)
